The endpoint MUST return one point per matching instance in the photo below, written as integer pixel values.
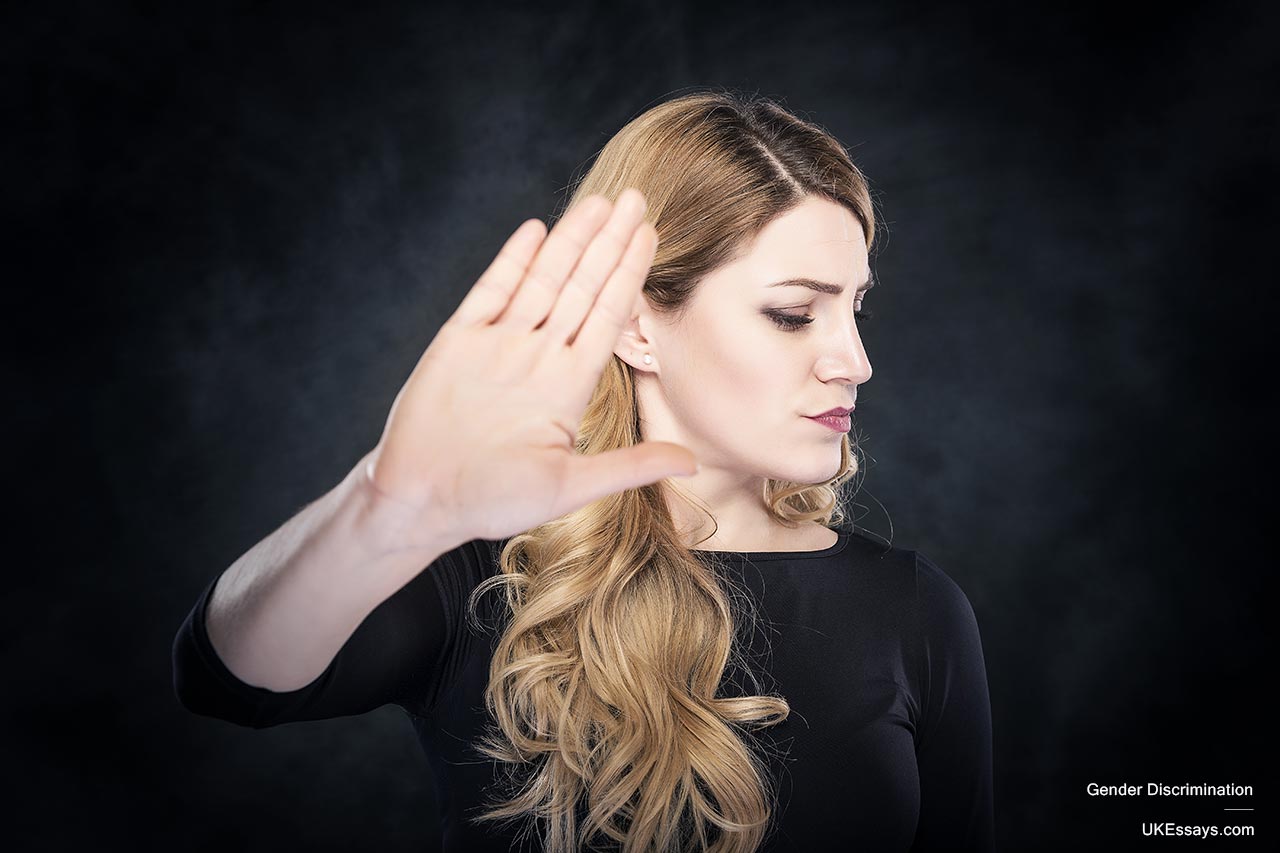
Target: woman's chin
(820, 472)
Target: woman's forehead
(817, 240)
(815, 221)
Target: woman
(715, 662)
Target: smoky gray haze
(235, 230)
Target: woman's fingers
(597, 264)
(492, 291)
(598, 475)
(554, 262)
(612, 309)
(532, 337)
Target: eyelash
(793, 323)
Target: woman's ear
(634, 346)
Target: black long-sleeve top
(877, 651)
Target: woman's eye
(794, 322)
(789, 322)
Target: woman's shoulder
(945, 609)
(933, 580)
(879, 559)
(910, 574)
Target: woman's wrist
(386, 526)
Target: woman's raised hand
(479, 442)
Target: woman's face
(735, 379)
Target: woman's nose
(851, 359)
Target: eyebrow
(821, 286)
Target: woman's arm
(953, 747)
(278, 615)
(441, 474)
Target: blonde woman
(598, 554)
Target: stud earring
(648, 359)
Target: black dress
(877, 651)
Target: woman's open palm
(480, 440)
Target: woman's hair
(604, 681)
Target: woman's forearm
(280, 612)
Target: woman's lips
(839, 424)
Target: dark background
(234, 229)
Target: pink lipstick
(836, 419)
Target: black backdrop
(235, 228)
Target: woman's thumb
(602, 474)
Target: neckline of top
(842, 541)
